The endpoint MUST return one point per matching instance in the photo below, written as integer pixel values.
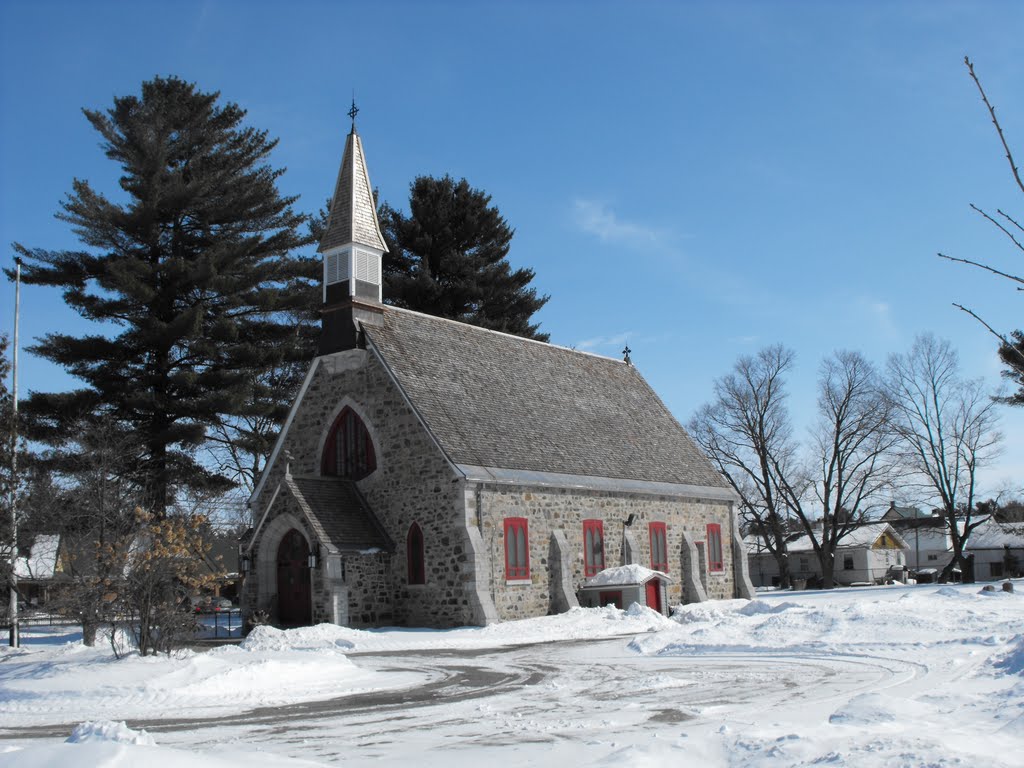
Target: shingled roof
(353, 216)
(338, 513)
(496, 400)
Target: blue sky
(695, 179)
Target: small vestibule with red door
(625, 585)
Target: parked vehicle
(220, 604)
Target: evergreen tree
(194, 273)
(448, 258)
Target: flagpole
(15, 636)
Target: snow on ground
(905, 676)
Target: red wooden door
(654, 595)
(294, 607)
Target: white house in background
(863, 556)
(36, 571)
(928, 541)
(998, 549)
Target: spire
(353, 250)
(353, 216)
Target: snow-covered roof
(992, 534)
(624, 575)
(905, 513)
(42, 559)
(861, 536)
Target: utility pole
(15, 636)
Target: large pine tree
(189, 273)
(448, 258)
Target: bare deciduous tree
(848, 461)
(947, 430)
(1011, 346)
(747, 433)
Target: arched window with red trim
(659, 547)
(348, 452)
(417, 572)
(593, 547)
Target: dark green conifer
(191, 279)
(448, 258)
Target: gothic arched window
(348, 452)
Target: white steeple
(352, 245)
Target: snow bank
(71, 682)
(1011, 662)
(106, 744)
(321, 637)
(874, 619)
(105, 730)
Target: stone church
(432, 473)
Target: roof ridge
(392, 307)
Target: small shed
(624, 586)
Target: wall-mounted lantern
(245, 563)
(314, 557)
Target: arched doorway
(294, 606)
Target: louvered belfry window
(348, 452)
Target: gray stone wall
(369, 590)
(549, 510)
(412, 482)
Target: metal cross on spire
(353, 112)
(625, 355)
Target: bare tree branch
(995, 122)
(999, 226)
(986, 267)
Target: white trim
(284, 429)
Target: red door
(654, 595)
(294, 607)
